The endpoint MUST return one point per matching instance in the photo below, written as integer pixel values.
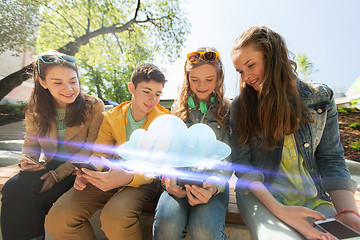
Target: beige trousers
(69, 217)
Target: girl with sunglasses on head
(200, 209)
(286, 145)
(61, 125)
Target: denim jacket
(223, 173)
(318, 142)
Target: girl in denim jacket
(289, 161)
(200, 209)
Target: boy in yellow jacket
(120, 192)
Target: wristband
(163, 182)
(54, 175)
(346, 211)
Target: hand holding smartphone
(337, 229)
(182, 181)
(29, 159)
(85, 164)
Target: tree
(71, 26)
(304, 66)
(107, 77)
(18, 21)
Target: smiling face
(63, 84)
(250, 63)
(145, 96)
(202, 81)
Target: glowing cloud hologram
(169, 143)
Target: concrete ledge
(13, 131)
(6, 173)
(11, 145)
(7, 159)
(354, 169)
(234, 226)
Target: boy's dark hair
(146, 72)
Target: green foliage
(106, 72)
(342, 110)
(107, 84)
(16, 108)
(166, 30)
(162, 24)
(304, 66)
(354, 102)
(107, 56)
(346, 109)
(355, 145)
(355, 125)
(18, 23)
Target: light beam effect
(109, 149)
(169, 143)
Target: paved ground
(12, 131)
(11, 139)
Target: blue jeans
(205, 221)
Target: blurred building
(353, 93)
(354, 90)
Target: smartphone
(30, 159)
(84, 164)
(337, 229)
(181, 181)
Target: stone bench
(234, 227)
(6, 173)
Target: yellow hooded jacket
(113, 133)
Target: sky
(328, 31)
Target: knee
(121, 216)
(168, 229)
(169, 225)
(206, 232)
(61, 216)
(9, 189)
(167, 222)
(207, 225)
(168, 219)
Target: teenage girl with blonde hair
(199, 209)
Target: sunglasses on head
(209, 56)
(53, 58)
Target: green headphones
(203, 105)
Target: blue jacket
(318, 142)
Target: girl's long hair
(277, 108)
(182, 108)
(41, 108)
